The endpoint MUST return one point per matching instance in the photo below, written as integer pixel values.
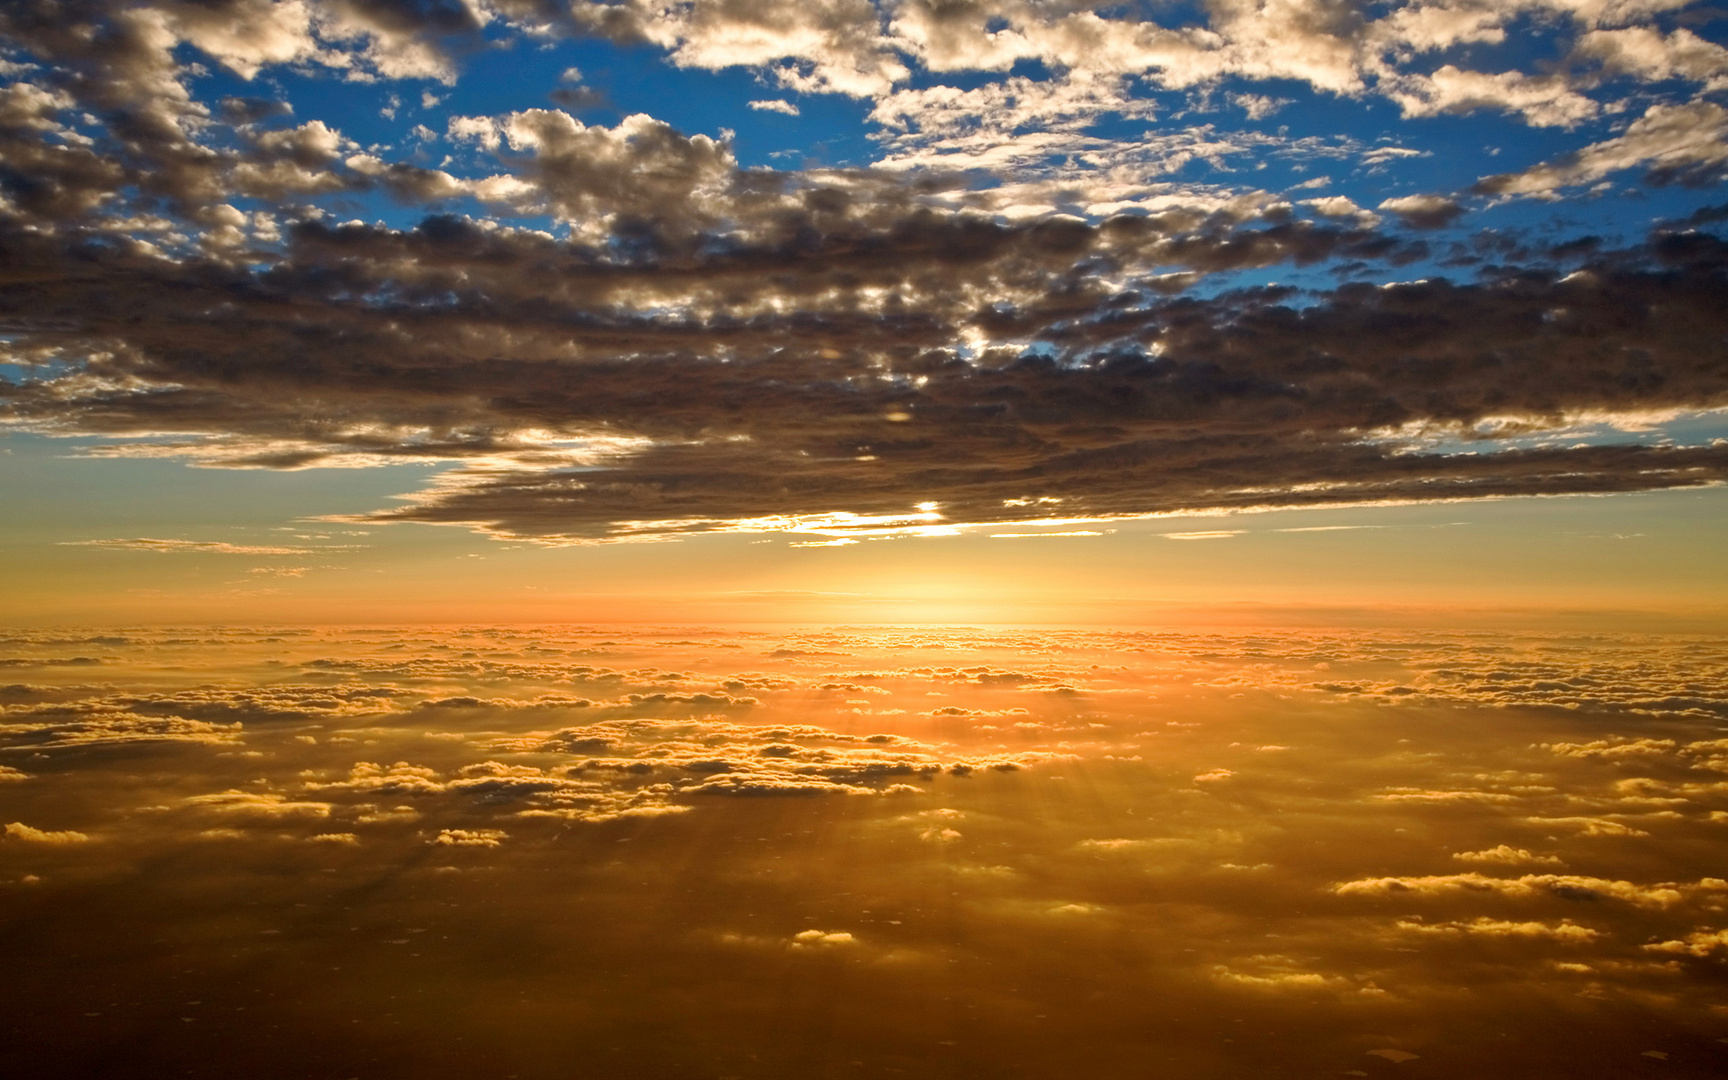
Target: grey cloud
(823, 45)
(241, 111)
(1646, 52)
(1145, 404)
(853, 47)
(642, 169)
(1684, 144)
(864, 49)
(1424, 211)
(154, 146)
(108, 59)
(720, 348)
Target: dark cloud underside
(620, 332)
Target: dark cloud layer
(520, 353)
(698, 346)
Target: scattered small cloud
(202, 547)
(17, 830)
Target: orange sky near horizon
(1571, 560)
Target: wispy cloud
(204, 547)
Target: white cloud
(1673, 140)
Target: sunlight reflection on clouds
(1007, 841)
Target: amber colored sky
(1563, 560)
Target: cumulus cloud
(1589, 826)
(1648, 53)
(256, 804)
(1699, 943)
(1507, 855)
(641, 169)
(1564, 931)
(1615, 748)
(1282, 981)
(1562, 886)
(710, 757)
(59, 727)
(1341, 206)
(1685, 144)
(1424, 211)
(481, 838)
(613, 770)
(1241, 900)
(17, 830)
(1636, 680)
(1014, 300)
(834, 46)
(1541, 100)
(863, 49)
(1007, 304)
(939, 425)
(856, 48)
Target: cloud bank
(617, 331)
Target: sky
(863, 539)
(323, 311)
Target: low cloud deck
(559, 852)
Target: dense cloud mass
(618, 331)
(280, 852)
